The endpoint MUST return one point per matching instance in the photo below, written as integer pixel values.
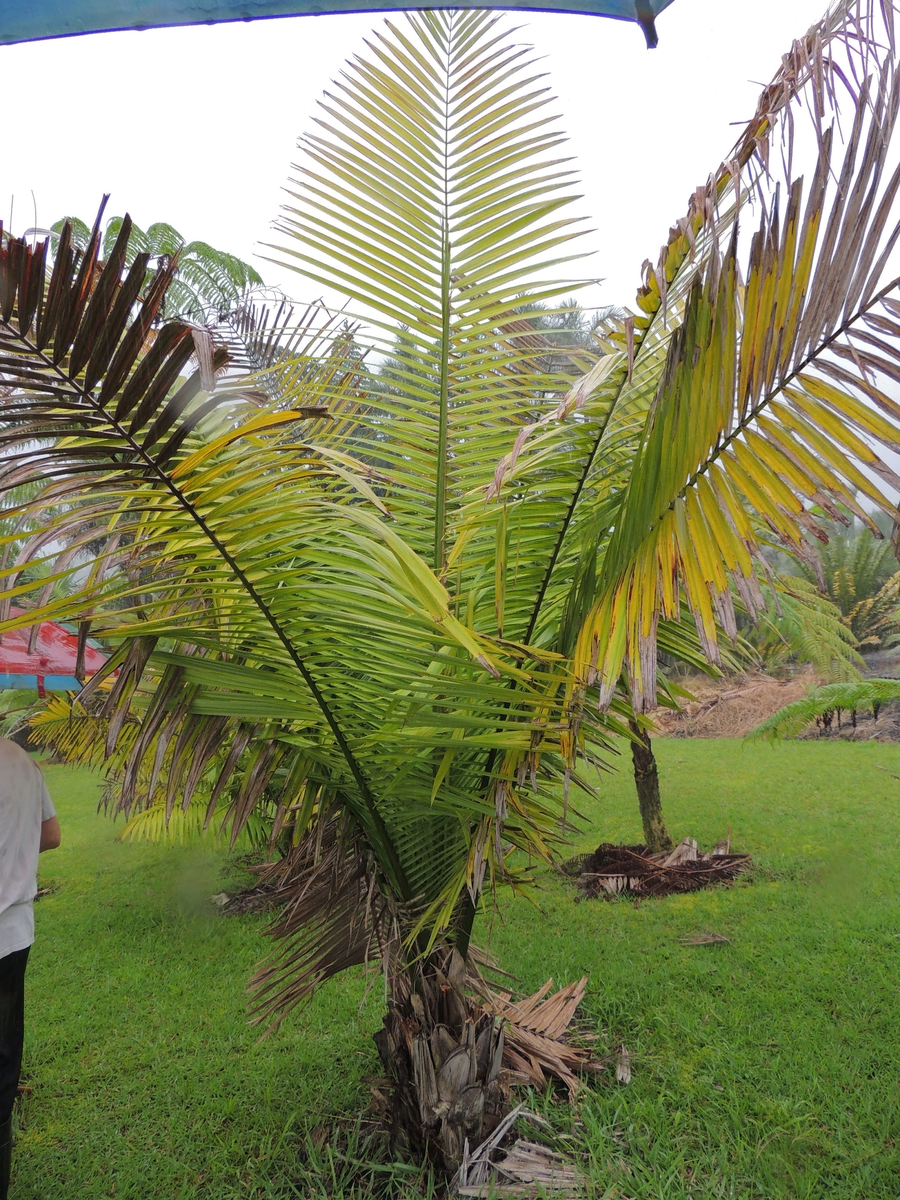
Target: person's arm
(50, 834)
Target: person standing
(28, 825)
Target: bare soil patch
(730, 708)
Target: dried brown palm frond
(333, 915)
(73, 352)
(504, 1165)
(276, 347)
(519, 1171)
(633, 870)
(537, 1048)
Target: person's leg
(12, 1031)
(5, 1157)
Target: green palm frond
(17, 706)
(791, 720)
(855, 567)
(77, 735)
(875, 620)
(192, 825)
(433, 196)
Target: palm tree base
(454, 1048)
(443, 1054)
(637, 871)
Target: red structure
(46, 657)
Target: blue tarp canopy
(31, 20)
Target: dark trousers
(12, 1027)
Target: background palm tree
(862, 581)
(416, 656)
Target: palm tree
(862, 581)
(415, 656)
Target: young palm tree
(413, 655)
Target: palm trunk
(443, 1056)
(646, 780)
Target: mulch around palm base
(633, 871)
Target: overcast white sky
(197, 126)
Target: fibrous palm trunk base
(453, 1058)
(444, 1060)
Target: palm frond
(333, 915)
(79, 735)
(771, 397)
(875, 620)
(191, 826)
(433, 197)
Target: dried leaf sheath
(334, 916)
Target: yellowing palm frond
(771, 398)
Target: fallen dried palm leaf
(528, 1170)
(707, 938)
(614, 870)
(536, 1049)
(522, 1170)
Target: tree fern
(206, 279)
(801, 625)
(794, 718)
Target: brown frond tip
(867, 32)
(84, 352)
(333, 915)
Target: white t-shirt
(24, 805)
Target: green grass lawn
(766, 1067)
